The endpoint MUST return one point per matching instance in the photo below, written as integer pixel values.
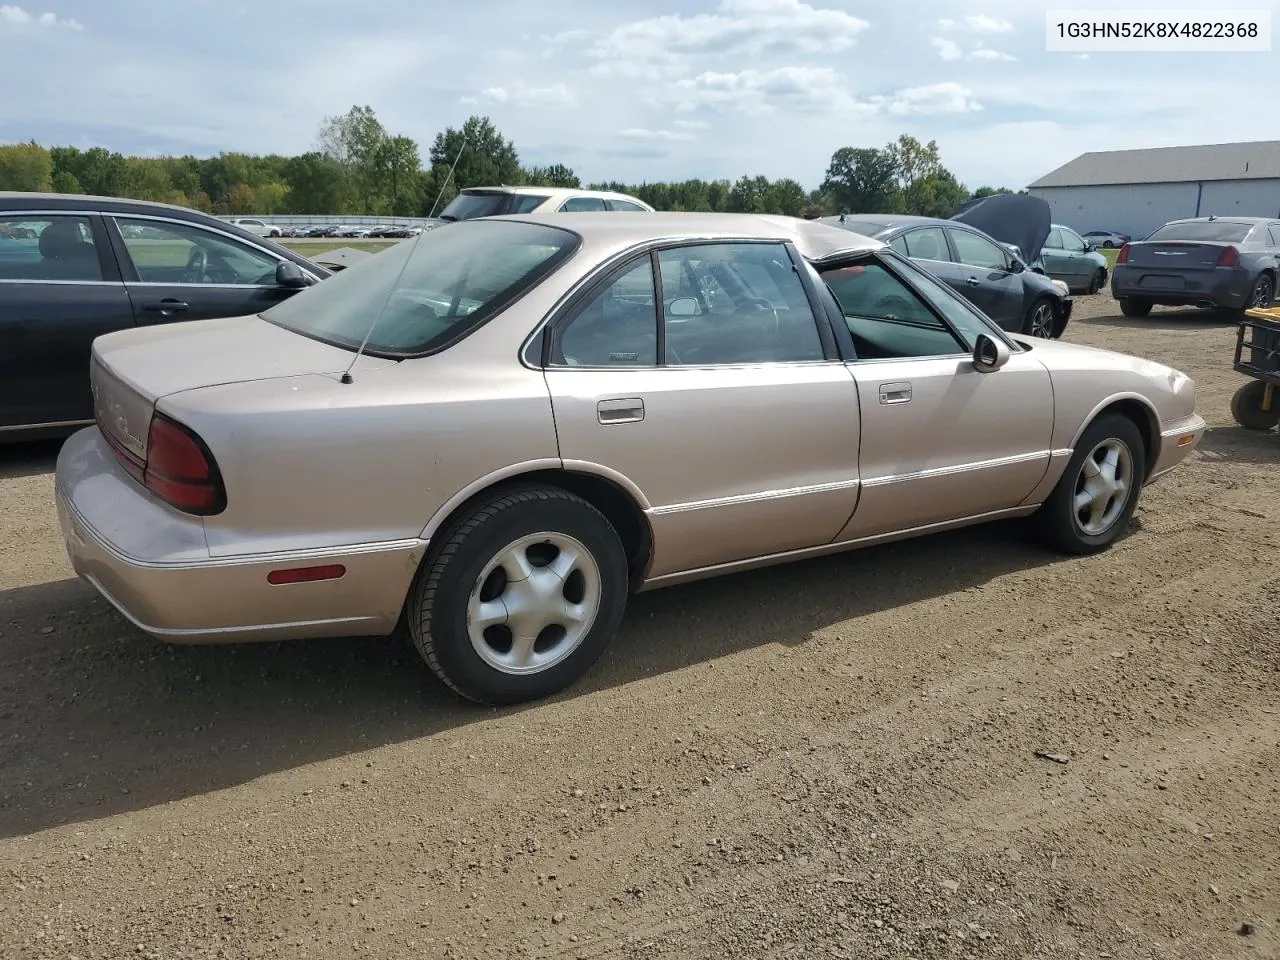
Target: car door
(721, 399)
(175, 270)
(1053, 255)
(60, 288)
(1077, 267)
(940, 440)
(986, 277)
(928, 247)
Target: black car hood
(1020, 219)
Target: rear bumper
(1177, 439)
(1223, 288)
(152, 564)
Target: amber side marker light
(306, 574)
(1186, 439)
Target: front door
(59, 289)
(719, 399)
(986, 279)
(941, 441)
(181, 271)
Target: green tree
(27, 167)
(488, 160)
(316, 184)
(556, 175)
(400, 171)
(861, 180)
(786, 197)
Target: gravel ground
(833, 759)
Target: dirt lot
(836, 759)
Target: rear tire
(1246, 406)
(1135, 306)
(1263, 293)
(1098, 491)
(536, 563)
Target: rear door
(183, 271)
(60, 288)
(986, 278)
(721, 399)
(928, 247)
(1077, 269)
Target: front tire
(1135, 306)
(1099, 278)
(1098, 492)
(1246, 406)
(521, 596)
(1042, 320)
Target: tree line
(358, 166)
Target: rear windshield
(427, 293)
(1223, 231)
(468, 206)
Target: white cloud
(16, 16)
(691, 124)
(933, 99)
(946, 24)
(947, 49)
(524, 95)
(738, 29)
(986, 53)
(759, 91)
(981, 23)
(641, 133)
(565, 36)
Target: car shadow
(1238, 445)
(101, 719)
(1162, 318)
(28, 458)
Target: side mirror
(989, 354)
(683, 307)
(289, 274)
(1016, 265)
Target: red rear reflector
(330, 571)
(1123, 255)
(1229, 257)
(180, 470)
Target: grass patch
(1110, 254)
(311, 248)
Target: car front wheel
(1041, 320)
(1099, 278)
(520, 596)
(1135, 306)
(1098, 492)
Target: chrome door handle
(895, 392)
(972, 281)
(620, 411)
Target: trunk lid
(131, 369)
(1176, 255)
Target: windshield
(452, 281)
(468, 206)
(1222, 231)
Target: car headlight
(1061, 287)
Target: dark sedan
(75, 267)
(987, 274)
(1226, 263)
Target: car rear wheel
(1135, 306)
(520, 597)
(1098, 492)
(1108, 244)
(1041, 320)
(1263, 292)
(1098, 279)
(1246, 406)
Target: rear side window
(1054, 241)
(927, 243)
(48, 248)
(583, 205)
(626, 205)
(1214, 231)
(419, 297)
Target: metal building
(1135, 191)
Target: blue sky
(663, 90)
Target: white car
(475, 202)
(257, 227)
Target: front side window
(736, 303)
(927, 243)
(960, 313)
(976, 251)
(48, 248)
(885, 317)
(419, 297)
(165, 252)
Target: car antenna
(346, 374)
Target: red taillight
(1229, 257)
(180, 470)
(1123, 255)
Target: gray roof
(1258, 160)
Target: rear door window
(582, 205)
(927, 243)
(48, 247)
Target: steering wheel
(197, 268)
(886, 305)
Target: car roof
(22, 200)
(891, 220)
(548, 191)
(816, 241)
(1251, 220)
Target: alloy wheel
(1103, 487)
(1042, 322)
